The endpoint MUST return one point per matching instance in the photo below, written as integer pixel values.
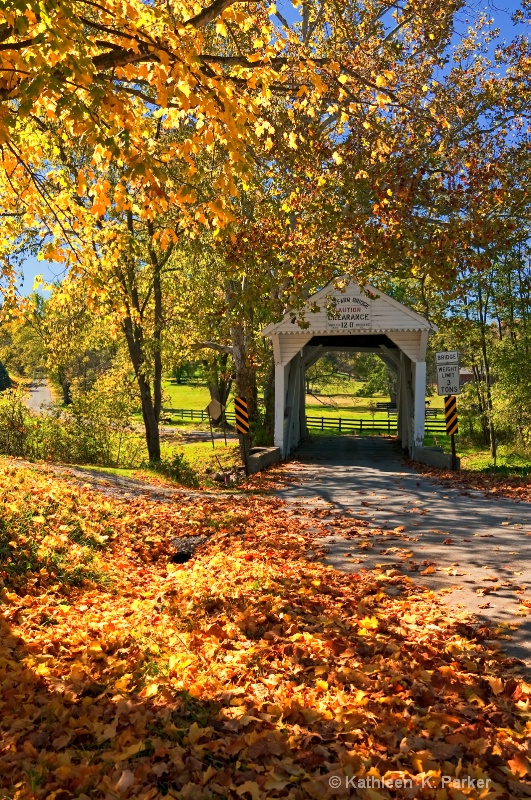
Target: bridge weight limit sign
(448, 384)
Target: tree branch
(221, 348)
(211, 12)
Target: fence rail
(361, 426)
(195, 413)
(340, 424)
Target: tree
(297, 152)
(5, 380)
(22, 347)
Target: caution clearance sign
(242, 415)
(450, 413)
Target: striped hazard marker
(450, 413)
(242, 415)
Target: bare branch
(221, 348)
(211, 12)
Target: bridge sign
(448, 372)
(447, 357)
(350, 313)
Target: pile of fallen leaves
(491, 484)
(252, 671)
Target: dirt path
(474, 550)
(39, 395)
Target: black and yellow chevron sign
(450, 412)
(242, 415)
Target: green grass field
(345, 405)
(185, 396)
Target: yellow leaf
(380, 81)
(150, 690)
(337, 158)
(122, 684)
(371, 794)
(132, 750)
(496, 684)
(249, 787)
(368, 623)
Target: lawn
(185, 396)
(479, 459)
(201, 456)
(341, 404)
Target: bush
(94, 429)
(178, 469)
(5, 380)
(13, 423)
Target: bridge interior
(410, 418)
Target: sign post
(242, 426)
(448, 385)
(214, 410)
(452, 426)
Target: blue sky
(499, 10)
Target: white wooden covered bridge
(357, 320)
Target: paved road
(476, 550)
(39, 395)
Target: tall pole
(211, 430)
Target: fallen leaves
(230, 676)
(492, 485)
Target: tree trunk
(158, 322)
(486, 367)
(245, 372)
(65, 386)
(151, 424)
(133, 335)
(218, 380)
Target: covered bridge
(362, 320)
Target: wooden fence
(339, 424)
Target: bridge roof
(347, 311)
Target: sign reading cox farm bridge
(349, 312)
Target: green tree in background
(5, 380)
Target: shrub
(178, 469)
(5, 380)
(94, 429)
(13, 423)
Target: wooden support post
(454, 454)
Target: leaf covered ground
(252, 671)
(513, 486)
